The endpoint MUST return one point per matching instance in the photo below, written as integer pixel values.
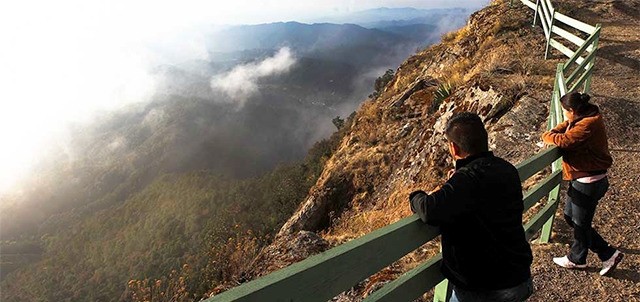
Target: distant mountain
(381, 17)
(445, 22)
(347, 42)
(298, 36)
(421, 26)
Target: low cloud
(242, 81)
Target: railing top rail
(585, 47)
(536, 163)
(531, 5)
(579, 25)
(569, 36)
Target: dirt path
(616, 88)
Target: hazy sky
(64, 60)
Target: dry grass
(458, 72)
(456, 36)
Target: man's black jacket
(479, 212)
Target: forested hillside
(203, 226)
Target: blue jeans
(517, 293)
(582, 200)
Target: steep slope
(395, 145)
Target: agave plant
(444, 91)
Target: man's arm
(446, 204)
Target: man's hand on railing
(416, 198)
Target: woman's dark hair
(578, 103)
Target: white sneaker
(566, 263)
(611, 263)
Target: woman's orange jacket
(584, 146)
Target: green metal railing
(583, 56)
(323, 276)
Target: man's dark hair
(467, 131)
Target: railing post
(587, 83)
(559, 90)
(554, 197)
(555, 117)
(442, 292)
(553, 20)
(547, 228)
(535, 14)
(553, 110)
(552, 107)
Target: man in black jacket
(486, 256)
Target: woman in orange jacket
(585, 160)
